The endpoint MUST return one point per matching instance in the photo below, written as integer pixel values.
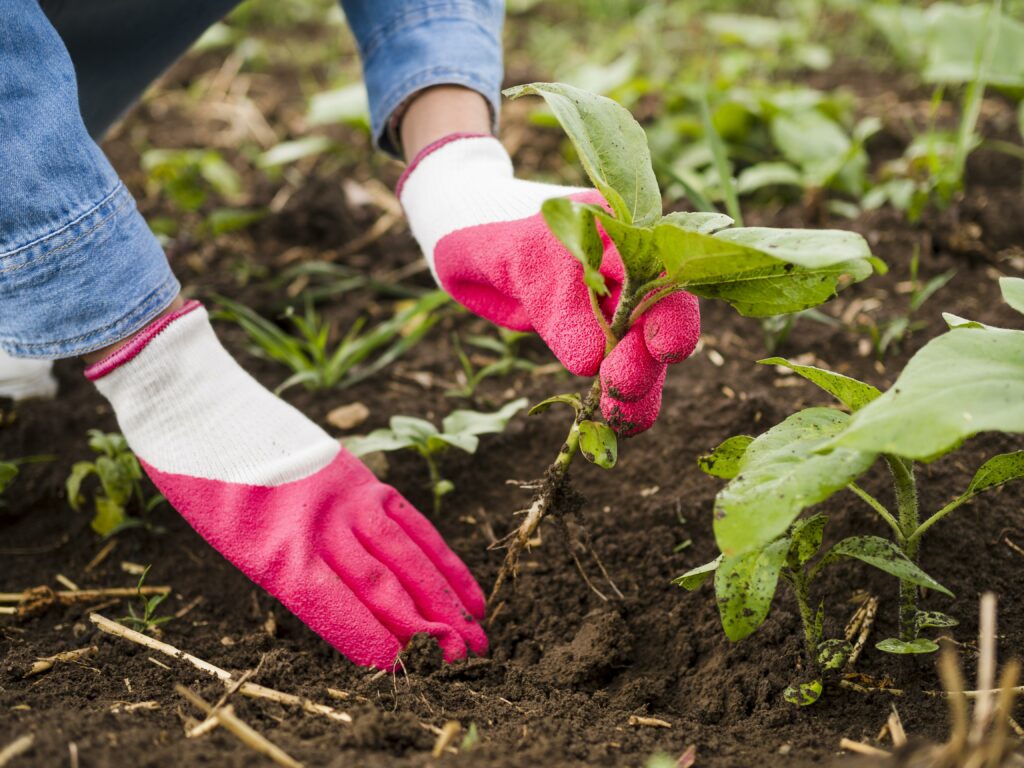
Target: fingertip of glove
(631, 418)
(672, 327)
(629, 371)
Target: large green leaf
(806, 539)
(811, 141)
(611, 146)
(745, 585)
(781, 474)
(573, 223)
(901, 647)
(762, 271)
(886, 556)
(968, 380)
(724, 461)
(476, 423)
(852, 393)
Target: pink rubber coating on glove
(345, 553)
(518, 275)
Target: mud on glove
(488, 245)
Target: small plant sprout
(148, 622)
(967, 381)
(759, 271)
(460, 429)
(9, 469)
(506, 347)
(359, 355)
(120, 479)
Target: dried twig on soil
(45, 663)
(449, 731)
(650, 722)
(252, 690)
(38, 599)
(236, 726)
(860, 627)
(100, 556)
(19, 746)
(896, 731)
(862, 749)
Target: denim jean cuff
(449, 42)
(90, 284)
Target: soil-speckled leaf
(1013, 287)
(695, 577)
(968, 380)
(886, 556)
(763, 272)
(724, 461)
(850, 392)
(803, 694)
(573, 223)
(611, 146)
(996, 471)
(895, 645)
(781, 474)
(745, 585)
(598, 443)
(934, 620)
(806, 538)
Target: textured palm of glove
(280, 499)
(488, 245)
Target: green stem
(915, 537)
(435, 481)
(884, 513)
(609, 338)
(906, 504)
(801, 588)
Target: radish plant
(460, 429)
(759, 271)
(964, 382)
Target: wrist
(439, 111)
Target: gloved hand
(279, 498)
(488, 245)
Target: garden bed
(566, 670)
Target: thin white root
(240, 729)
(986, 668)
(252, 690)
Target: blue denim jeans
(79, 267)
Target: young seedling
(9, 470)
(966, 381)
(506, 347)
(148, 622)
(759, 271)
(120, 479)
(460, 429)
(891, 332)
(317, 365)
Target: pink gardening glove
(279, 498)
(488, 245)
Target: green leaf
(443, 488)
(934, 619)
(968, 380)
(109, 515)
(803, 694)
(762, 271)
(886, 556)
(996, 471)
(463, 422)
(895, 645)
(378, 440)
(290, 151)
(811, 141)
(8, 471)
(635, 245)
(572, 400)
(806, 538)
(832, 654)
(116, 478)
(463, 441)
(348, 105)
(73, 485)
(1013, 287)
(850, 392)
(745, 585)
(224, 220)
(695, 577)
(781, 474)
(724, 461)
(704, 223)
(763, 175)
(574, 225)
(108, 444)
(611, 145)
(598, 443)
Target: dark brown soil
(566, 670)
